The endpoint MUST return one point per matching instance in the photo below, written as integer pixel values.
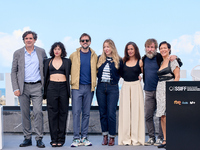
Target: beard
(150, 55)
(85, 47)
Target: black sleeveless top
(131, 73)
(166, 73)
(53, 70)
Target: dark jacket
(114, 73)
(67, 64)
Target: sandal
(53, 144)
(60, 144)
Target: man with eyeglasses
(83, 82)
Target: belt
(33, 82)
(165, 78)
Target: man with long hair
(151, 63)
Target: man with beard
(83, 82)
(151, 63)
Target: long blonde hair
(114, 53)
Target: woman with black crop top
(57, 92)
(131, 130)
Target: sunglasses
(85, 41)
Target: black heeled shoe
(162, 145)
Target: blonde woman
(109, 68)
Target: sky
(176, 22)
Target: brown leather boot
(105, 140)
(111, 142)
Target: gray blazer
(18, 64)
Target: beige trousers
(131, 130)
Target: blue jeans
(107, 98)
(81, 102)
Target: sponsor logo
(183, 88)
(177, 88)
(192, 102)
(176, 102)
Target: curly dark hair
(137, 53)
(62, 47)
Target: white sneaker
(75, 143)
(151, 141)
(158, 142)
(85, 142)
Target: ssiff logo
(177, 102)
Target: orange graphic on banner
(177, 102)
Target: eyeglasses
(85, 41)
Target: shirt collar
(25, 51)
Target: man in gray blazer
(27, 82)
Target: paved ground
(12, 141)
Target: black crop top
(53, 70)
(131, 73)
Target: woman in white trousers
(131, 130)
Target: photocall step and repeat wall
(183, 115)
